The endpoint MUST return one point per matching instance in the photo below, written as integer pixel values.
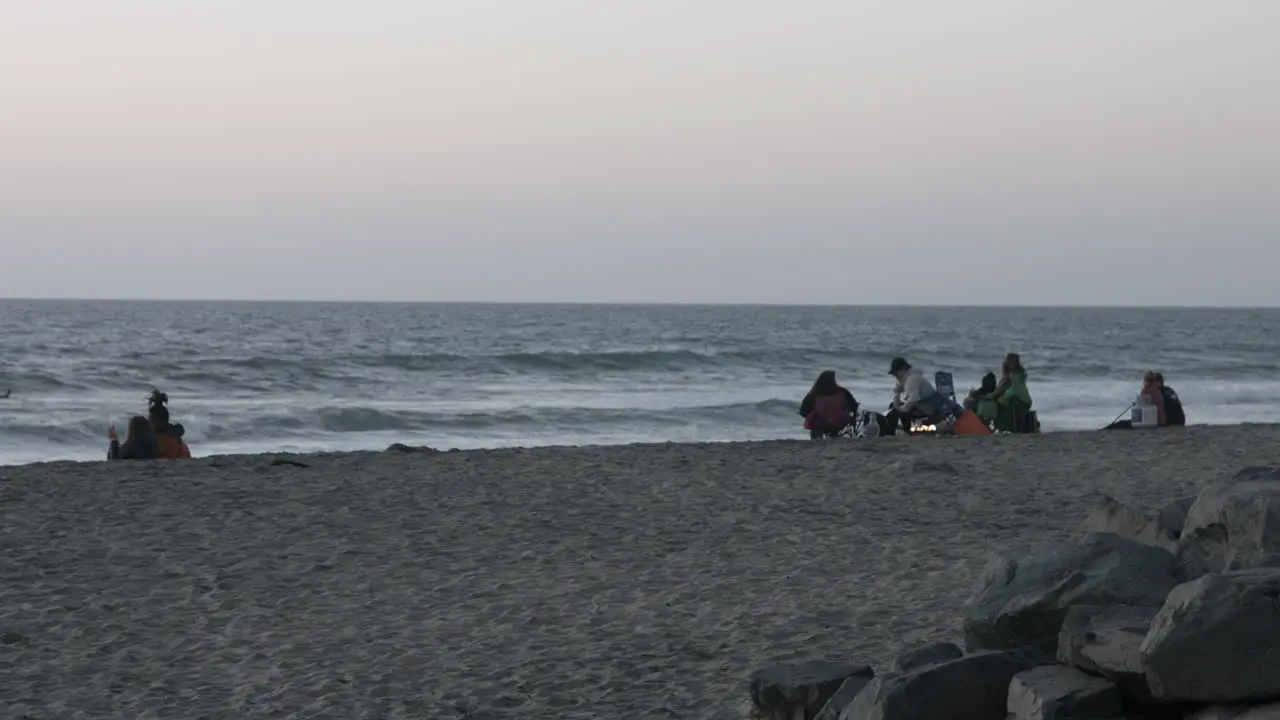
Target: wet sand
(618, 582)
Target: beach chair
(950, 408)
(1017, 418)
(945, 384)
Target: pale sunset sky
(824, 151)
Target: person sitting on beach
(1013, 399)
(828, 408)
(981, 401)
(914, 398)
(169, 440)
(1152, 395)
(1174, 415)
(139, 442)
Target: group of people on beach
(150, 437)
(1156, 396)
(1000, 404)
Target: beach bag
(968, 423)
(868, 425)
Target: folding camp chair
(945, 385)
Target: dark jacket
(1173, 412)
(806, 405)
(132, 450)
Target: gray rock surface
(1056, 692)
(1106, 641)
(1158, 528)
(1232, 525)
(843, 697)
(974, 687)
(783, 691)
(1217, 640)
(1237, 712)
(1024, 596)
(923, 655)
(1266, 712)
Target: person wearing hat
(914, 398)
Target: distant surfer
(6, 395)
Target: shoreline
(623, 581)
(428, 450)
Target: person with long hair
(828, 408)
(1013, 399)
(1013, 383)
(139, 441)
(168, 436)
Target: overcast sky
(983, 152)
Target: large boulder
(787, 692)
(924, 655)
(1024, 596)
(1217, 640)
(1159, 528)
(974, 687)
(1054, 692)
(1232, 525)
(1106, 641)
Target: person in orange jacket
(169, 442)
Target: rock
(1218, 713)
(1266, 712)
(842, 697)
(974, 687)
(1105, 641)
(1054, 692)
(1160, 528)
(930, 654)
(402, 448)
(1232, 525)
(1024, 596)
(1238, 712)
(786, 692)
(1217, 640)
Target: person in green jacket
(981, 400)
(1012, 396)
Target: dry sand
(623, 582)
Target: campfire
(924, 429)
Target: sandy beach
(613, 582)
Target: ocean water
(253, 377)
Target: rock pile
(1165, 615)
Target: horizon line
(612, 303)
